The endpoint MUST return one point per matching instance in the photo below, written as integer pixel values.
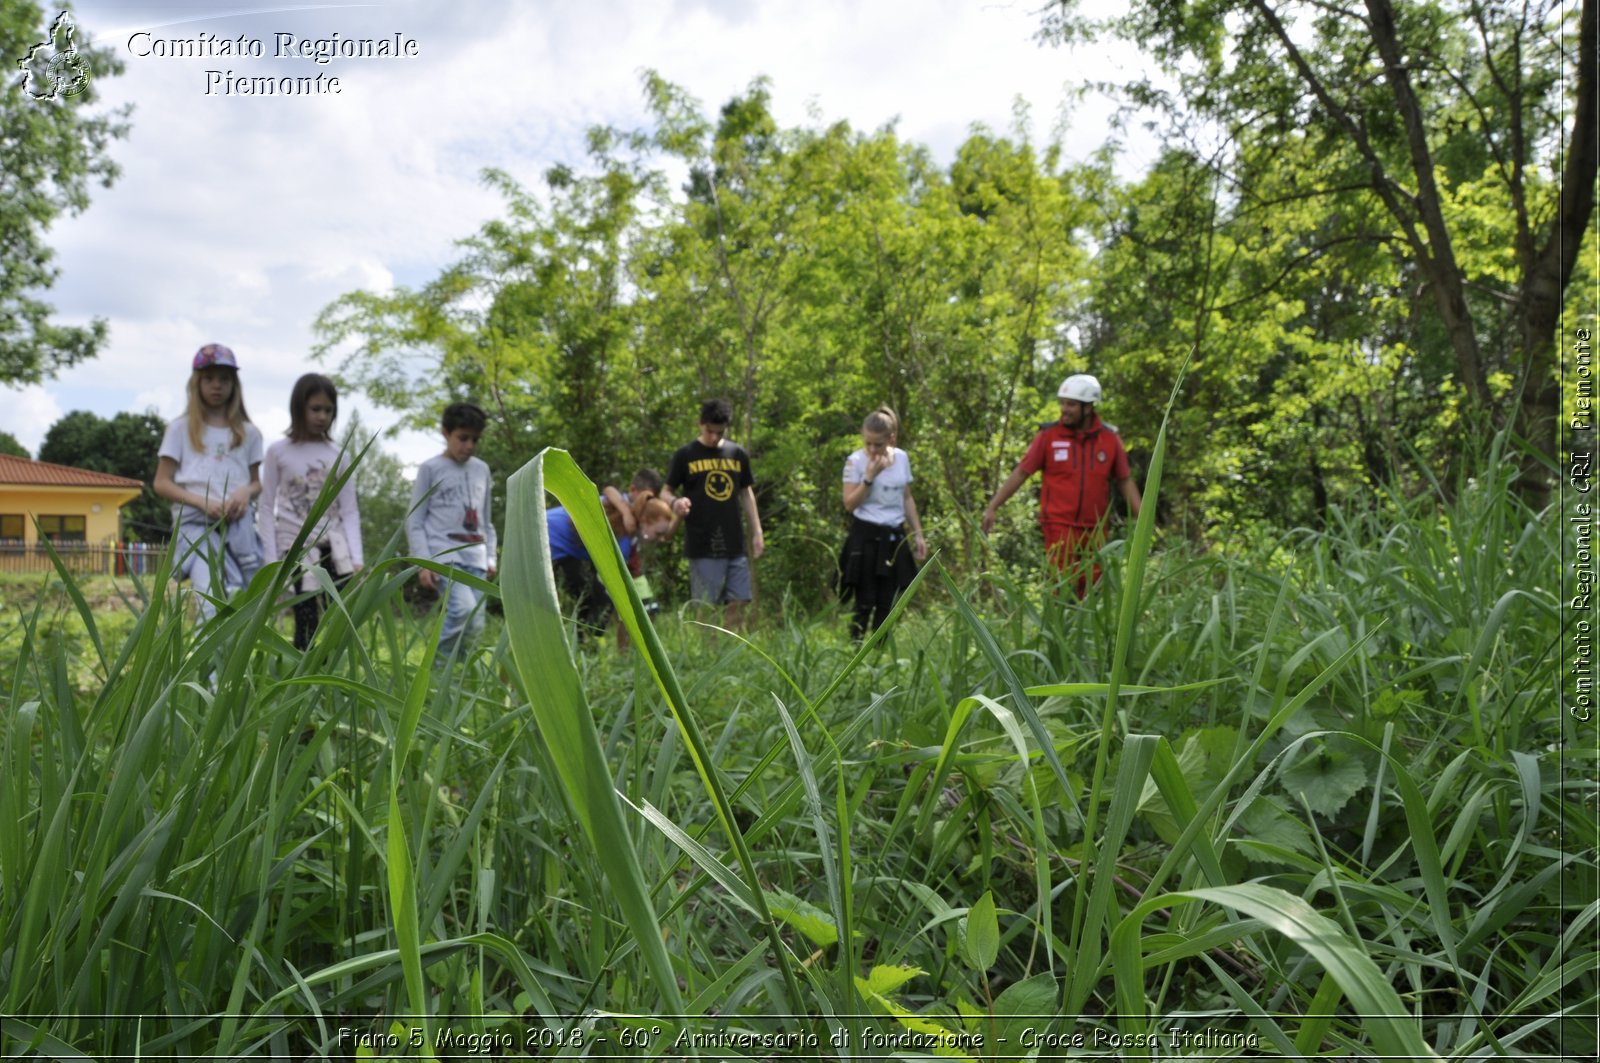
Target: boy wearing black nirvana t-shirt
(712, 480)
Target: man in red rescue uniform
(1082, 458)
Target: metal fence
(82, 559)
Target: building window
(13, 526)
(64, 529)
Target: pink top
(292, 476)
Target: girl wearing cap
(210, 465)
(876, 563)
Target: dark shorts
(719, 579)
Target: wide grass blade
(1137, 754)
(1087, 926)
(539, 648)
(581, 498)
(1379, 1007)
(401, 874)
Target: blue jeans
(463, 615)
(234, 544)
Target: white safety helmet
(1080, 387)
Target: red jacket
(1080, 465)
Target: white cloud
(31, 412)
(167, 402)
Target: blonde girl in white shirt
(879, 559)
(209, 469)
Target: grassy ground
(1312, 800)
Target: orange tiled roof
(45, 474)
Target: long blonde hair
(237, 417)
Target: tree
(811, 274)
(53, 148)
(1312, 369)
(124, 445)
(532, 324)
(10, 446)
(808, 274)
(1427, 116)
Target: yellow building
(71, 505)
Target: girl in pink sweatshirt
(292, 476)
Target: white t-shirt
(218, 468)
(886, 495)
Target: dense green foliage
(1269, 795)
(53, 149)
(1437, 156)
(9, 445)
(807, 274)
(810, 273)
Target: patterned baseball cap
(215, 354)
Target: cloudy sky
(238, 218)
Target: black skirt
(873, 554)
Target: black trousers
(874, 567)
(587, 595)
(308, 610)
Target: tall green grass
(1314, 798)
